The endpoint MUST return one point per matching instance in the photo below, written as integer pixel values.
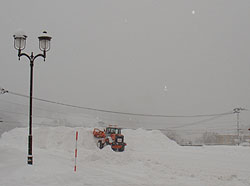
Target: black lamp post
(44, 45)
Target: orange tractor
(110, 136)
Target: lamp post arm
(41, 55)
(23, 54)
(32, 57)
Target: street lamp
(44, 45)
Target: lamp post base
(30, 160)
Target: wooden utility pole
(237, 111)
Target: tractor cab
(112, 130)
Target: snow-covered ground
(150, 158)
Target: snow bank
(63, 138)
(150, 158)
(14, 138)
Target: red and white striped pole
(76, 150)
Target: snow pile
(62, 138)
(150, 158)
(15, 138)
(142, 140)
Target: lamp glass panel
(20, 43)
(44, 44)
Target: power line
(176, 125)
(118, 112)
(197, 122)
(37, 108)
(19, 113)
(12, 112)
(101, 118)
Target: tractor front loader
(110, 136)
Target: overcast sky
(120, 55)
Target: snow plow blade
(98, 133)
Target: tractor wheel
(100, 144)
(121, 149)
(114, 149)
